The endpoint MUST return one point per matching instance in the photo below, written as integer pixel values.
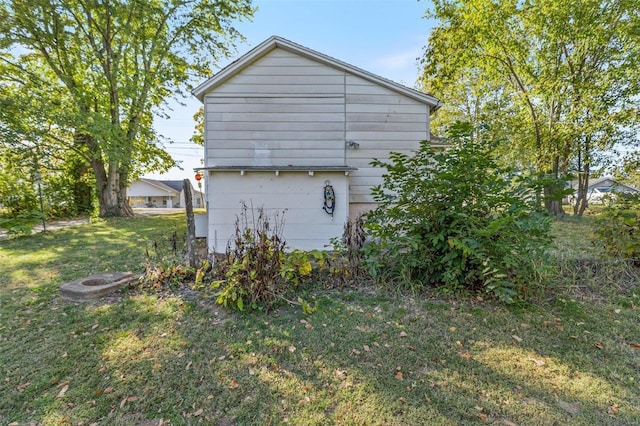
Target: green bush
(256, 271)
(457, 220)
(618, 228)
(21, 223)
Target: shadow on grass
(358, 360)
(353, 362)
(71, 253)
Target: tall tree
(113, 63)
(569, 70)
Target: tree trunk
(584, 171)
(553, 192)
(581, 200)
(112, 192)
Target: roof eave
(279, 42)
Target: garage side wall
(294, 199)
(281, 110)
(378, 121)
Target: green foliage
(21, 223)
(92, 75)
(559, 75)
(255, 270)
(457, 220)
(618, 228)
(164, 265)
(307, 309)
(170, 273)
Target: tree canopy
(559, 79)
(87, 76)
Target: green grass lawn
(366, 357)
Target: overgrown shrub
(165, 268)
(618, 228)
(456, 219)
(255, 270)
(258, 271)
(343, 265)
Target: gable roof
(162, 184)
(607, 181)
(274, 42)
(175, 184)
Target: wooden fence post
(192, 255)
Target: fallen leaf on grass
(342, 374)
(366, 348)
(613, 410)
(403, 334)
(292, 349)
(304, 401)
(108, 390)
(598, 345)
(64, 390)
(198, 412)
(517, 338)
(634, 345)
(23, 386)
(234, 384)
(127, 399)
(399, 375)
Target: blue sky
(385, 37)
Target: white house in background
(602, 190)
(161, 193)
(283, 121)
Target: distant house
(161, 193)
(291, 129)
(602, 190)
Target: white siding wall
(379, 121)
(143, 189)
(282, 110)
(300, 196)
(285, 109)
